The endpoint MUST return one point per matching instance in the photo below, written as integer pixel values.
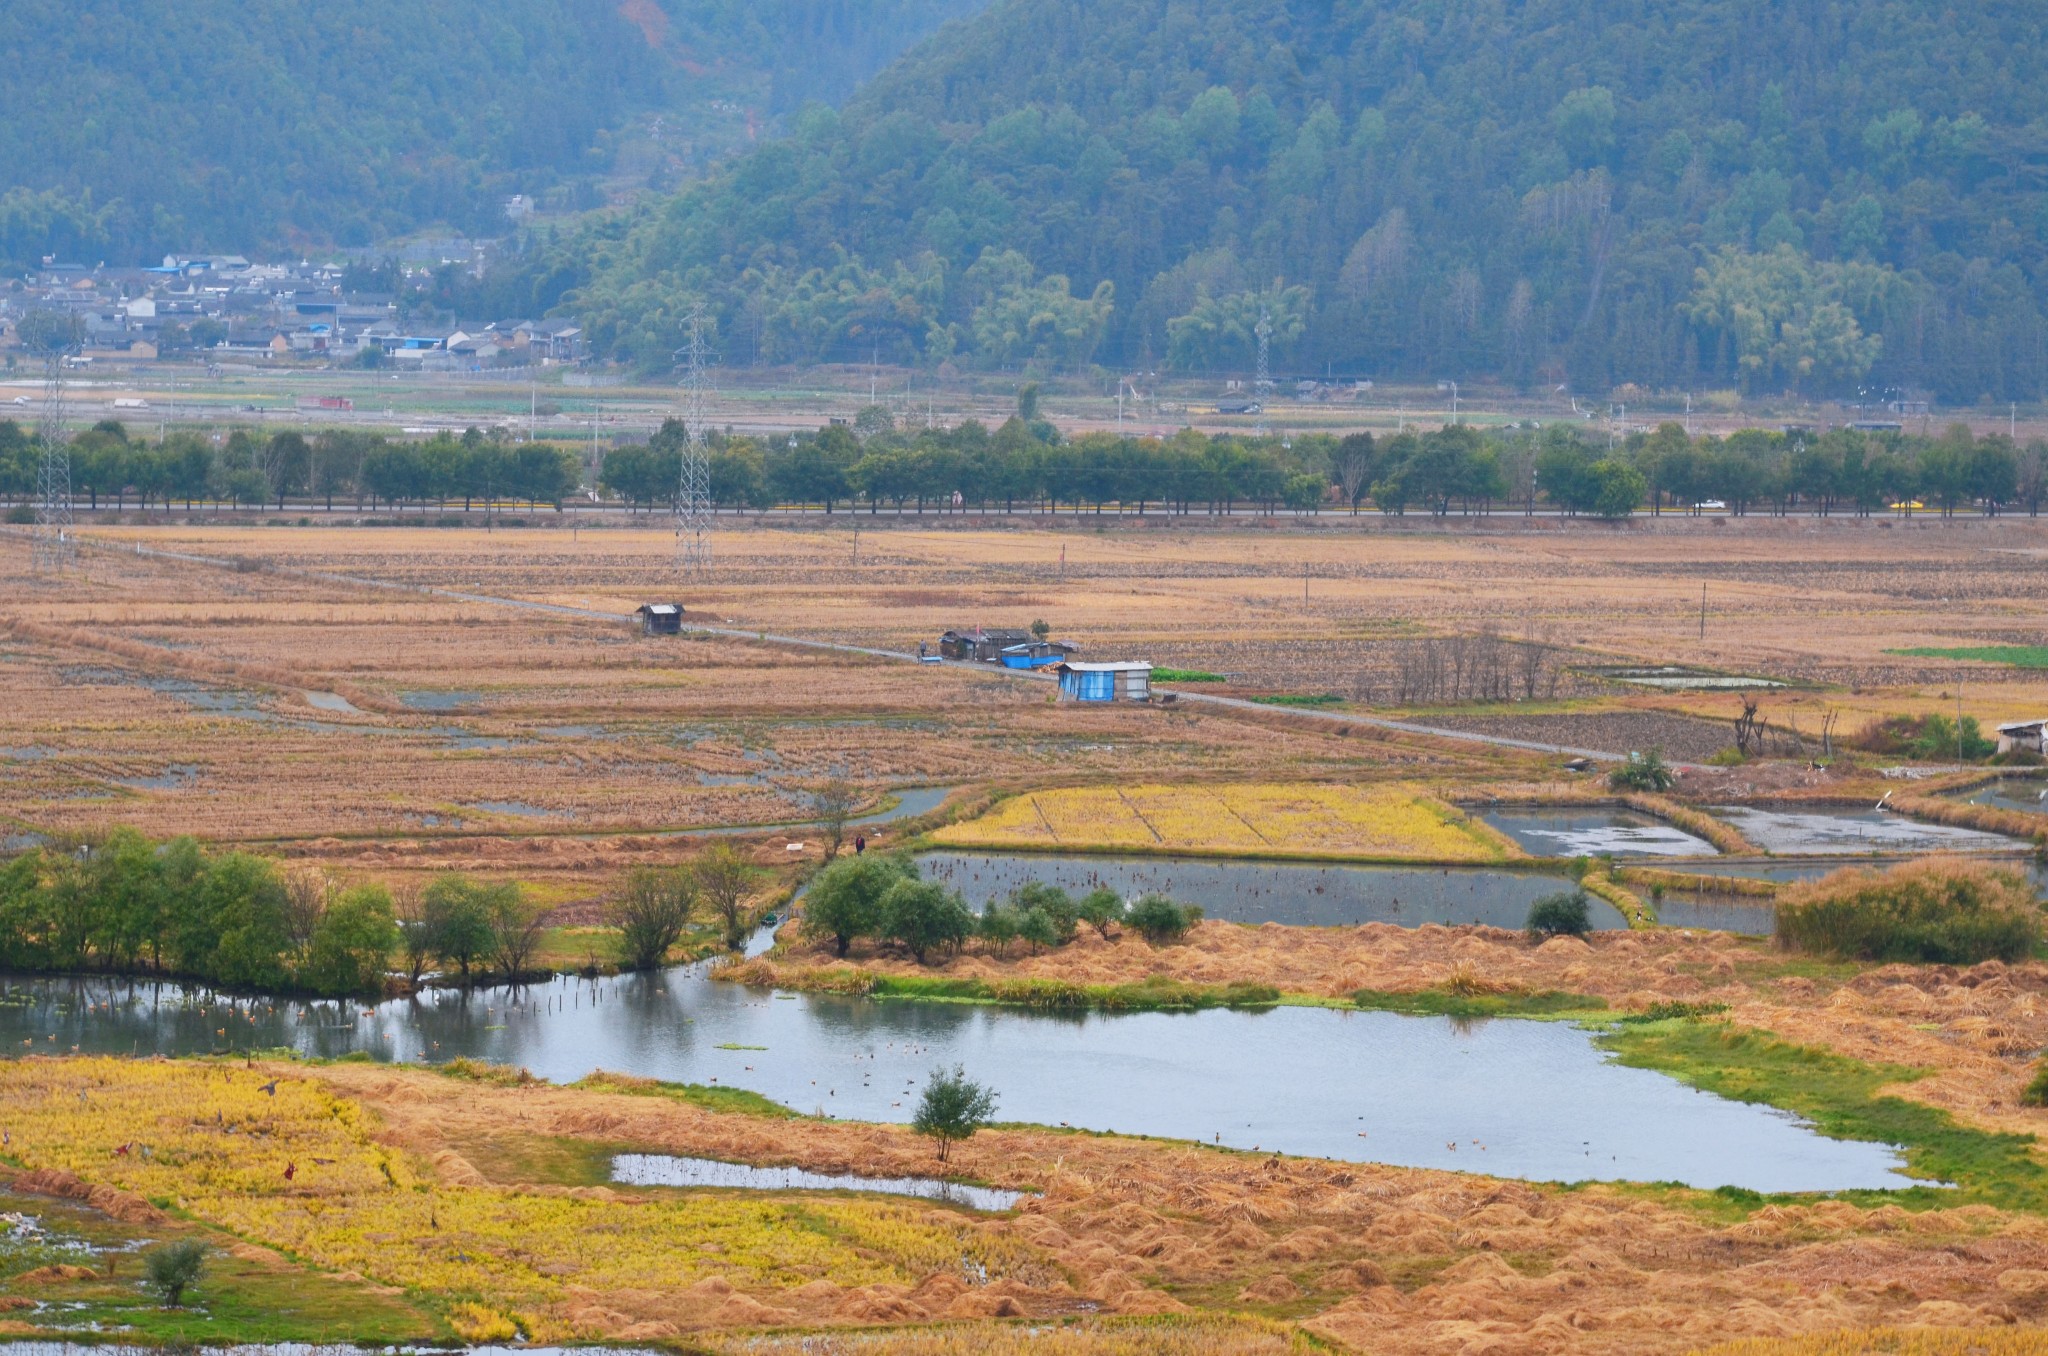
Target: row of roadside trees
(1026, 465)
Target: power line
(53, 537)
(693, 492)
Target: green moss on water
(1151, 994)
(1448, 1002)
(1841, 1098)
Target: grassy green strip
(2019, 656)
(1841, 1097)
(1445, 1001)
(1187, 676)
(1300, 699)
(1147, 995)
(738, 1101)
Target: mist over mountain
(1811, 194)
(127, 130)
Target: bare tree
(651, 910)
(515, 932)
(306, 892)
(722, 876)
(415, 932)
(832, 805)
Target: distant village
(217, 306)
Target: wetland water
(672, 1170)
(1269, 892)
(1516, 1098)
(1553, 832)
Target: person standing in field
(860, 844)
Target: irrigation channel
(1305, 895)
(1511, 1098)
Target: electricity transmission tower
(1264, 383)
(53, 544)
(693, 493)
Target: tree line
(108, 464)
(1026, 465)
(128, 905)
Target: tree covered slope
(1815, 193)
(129, 129)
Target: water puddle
(1840, 832)
(1555, 832)
(28, 753)
(1287, 893)
(519, 808)
(176, 777)
(669, 1170)
(420, 699)
(1678, 678)
(332, 701)
(1534, 1100)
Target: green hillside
(127, 130)
(1822, 194)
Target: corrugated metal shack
(1116, 681)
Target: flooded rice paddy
(2027, 794)
(673, 1170)
(1525, 1099)
(1852, 832)
(1559, 832)
(1269, 892)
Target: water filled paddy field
(1512, 1098)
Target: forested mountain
(1820, 194)
(130, 129)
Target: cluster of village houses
(223, 306)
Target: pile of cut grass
(1934, 911)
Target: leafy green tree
(1102, 909)
(459, 916)
(952, 1108)
(723, 880)
(352, 943)
(1560, 915)
(1643, 772)
(174, 1268)
(844, 901)
(923, 917)
(1158, 919)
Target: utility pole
(53, 545)
(693, 492)
(1703, 612)
(1265, 333)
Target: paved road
(841, 647)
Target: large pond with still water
(1272, 892)
(1513, 1098)
(1855, 832)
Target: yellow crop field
(1285, 819)
(286, 1163)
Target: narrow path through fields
(842, 647)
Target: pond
(1852, 832)
(1547, 831)
(2028, 794)
(1511, 1098)
(674, 1170)
(1269, 892)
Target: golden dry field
(1391, 823)
(477, 1198)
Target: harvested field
(1682, 739)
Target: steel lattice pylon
(693, 493)
(53, 542)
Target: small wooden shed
(660, 619)
(1115, 681)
